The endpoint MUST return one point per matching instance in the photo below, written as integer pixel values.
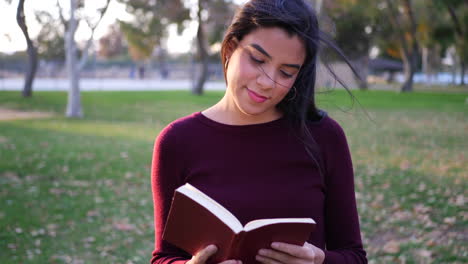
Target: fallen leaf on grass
(392, 247)
(422, 187)
(421, 208)
(459, 200)
(128, 175)
(424, 253)
(11, 176)
(89, 239)
(3, 139)
(123, 226)
(450, 220)
(405, 165)
(92, 213)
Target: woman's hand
(283, 253)
(203, 255)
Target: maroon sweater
(260, 171)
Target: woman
(265, 150)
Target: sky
(12, 39)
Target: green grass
(79, 190)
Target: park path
(10, 114)
(107, 84)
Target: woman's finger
(231, 261)
(266, 260)
(274, 255)
(203, 255)
(293, 250)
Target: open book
(196, 221)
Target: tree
(73, 68)
(435, 37)
(142, 39)
(353, 25)
(50, 41)
(458, 11)
(403, 28)
(211, 15)
(149, 26)
(31, 49)
(202, 52)
(111, 44)
(218, 14)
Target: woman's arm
(342, 232)
(166, 176)
(343, 236)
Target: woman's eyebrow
(261, 50)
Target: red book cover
(196, 221)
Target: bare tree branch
(394, 18)
(85, 53)
(62, 18)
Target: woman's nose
(265, 79)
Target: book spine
(236, 246)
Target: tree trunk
(409, 68)
(462, 81)
(31, 50)
(203, 53)
(459, 36)
(362, 68)
(74, 100)
(413, 54)
(425, 64)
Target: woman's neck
(227, 112)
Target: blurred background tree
(458, 13)
(31, 49)
(50, 40)
(354, 23)
(152, 18)
(75, 64)
(149, 26)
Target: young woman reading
(265, 150)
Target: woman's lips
(257, 98)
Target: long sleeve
(343, 238)
(166, 176)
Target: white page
(213, 206)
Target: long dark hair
(298, 18)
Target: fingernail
(212, 247)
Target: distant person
(265, 150)
(141, 72)
(132, 72)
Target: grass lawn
(78, 191)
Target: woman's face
(261, 71)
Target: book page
(217, 209)
(263, 222)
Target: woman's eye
(287, 75)
(256, 60)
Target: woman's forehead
(278, 43)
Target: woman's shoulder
(179, 128)
(326, 126)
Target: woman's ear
(233, 44)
